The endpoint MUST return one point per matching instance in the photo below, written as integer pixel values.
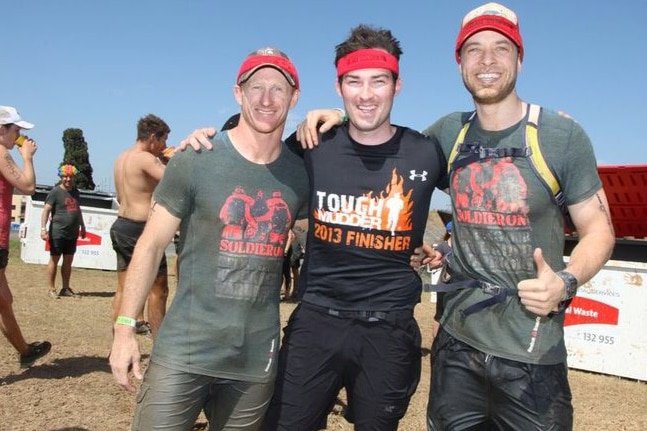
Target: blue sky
(101, 65)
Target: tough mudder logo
(371, 220)
(254, 223)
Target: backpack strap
(459, 141)
(473, 152)
(539, 164)
(532, 151)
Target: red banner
(589, 311)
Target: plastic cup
(20, 140)
(168, 152)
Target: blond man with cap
(217, 345)
(24, 180)
(499, 360)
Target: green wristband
(128, 321)
(344, 117)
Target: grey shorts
(172, 400)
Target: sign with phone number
(603, 324)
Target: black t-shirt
(368, 211)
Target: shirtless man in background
(137, 171)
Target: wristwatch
(570, 284)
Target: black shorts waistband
(364, 315)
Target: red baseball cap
(490, 16)
(268, 57)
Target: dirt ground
(71, 389)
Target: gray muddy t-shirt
(224, 319)
(501, 213)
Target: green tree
(76, 153)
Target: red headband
(268, 57)
(367, 58)
(491, 16)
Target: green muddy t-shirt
(224, 319)
(501, 213)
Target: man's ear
(295, 98)
(238, 94)
(398, 85)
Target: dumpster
(604, 326)
(94, 251)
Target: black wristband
(444, 248)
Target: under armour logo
(414, 175)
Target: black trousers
(471, 390)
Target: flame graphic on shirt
(388, 209)
(397, 205)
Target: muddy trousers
(473, 391)
(171, 400)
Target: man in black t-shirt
(370, 187)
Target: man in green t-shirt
(216, 347)
(499, 357)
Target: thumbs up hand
(543, 294)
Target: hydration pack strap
(498, 293)
(541, 167)
(476, 152)
(531, 151)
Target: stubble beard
(489, 95)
